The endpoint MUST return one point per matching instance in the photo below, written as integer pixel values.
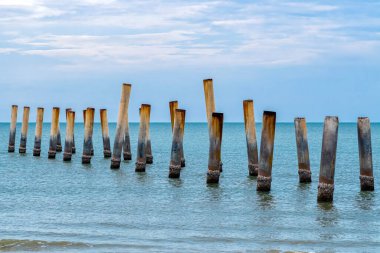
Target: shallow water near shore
(55, 206)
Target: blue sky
(299, 58)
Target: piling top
(217, 114)
(127, 84)
(299, 118)
(180, 110)
(91, 108)
(40, 108)
(207, 80)
(361, 118)
(248, 100)
(15, 106)
(56, 108)
(332, 117)
(270, 113)
(146, 105)
(26, 107)
(102, 110)
(173, 102)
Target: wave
(21, 245)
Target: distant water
(52, 206)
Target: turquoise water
(52, 206)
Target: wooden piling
(216, 131)
(73, 145)
(38, 132)
(250, 133)
(149, 155)
(12, 130)
(127, 155)
(69, 140)
(365, 154)
(24, 130)
(328, 157)
(92, 128)
(59, 141)
(173, 105)
(210, 106)
(143, 138)
(53, 133)
(88, 128)
(304, 171)
(120, 127)
(105, 133)
(176, 152)
(264, 178)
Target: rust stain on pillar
(264, 178)
(216, 131)
(53, 133)
(143, 138)
(120, 127)
(38, 133)
(127, 155)
(328, 157)
(73, 145)
(105, 133)
(304, 171)
(12, 130)
(24, 130)
(250, 133)
(365, 154)
(69, 140)
(177, 146)
(88, 128)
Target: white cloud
(87, 32)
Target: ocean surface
(55, 206)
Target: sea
(55, 206)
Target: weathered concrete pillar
(143, 138)
(88, 128)
(210, 106)
(328, 157)
(250, 134)
(38, 133)
(127, 155)
(59, 141)
(176, 152)
(12, 130)
(69, 140)
(105, 133)
(216, 131)
(173, 105)
(365, 154)
(53, 133)
(120, 127)
(92, 128)
(73, 145)
(24, 130)
(304, 172)
(264, 178)
(149, 155)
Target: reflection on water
(265, 200)
(365, 200)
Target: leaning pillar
(304, 172)
(328, 157)
(250, 134)
(264, 178)
(365, 155)
(120, 127)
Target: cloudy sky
(299, 58)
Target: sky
(298, 58)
